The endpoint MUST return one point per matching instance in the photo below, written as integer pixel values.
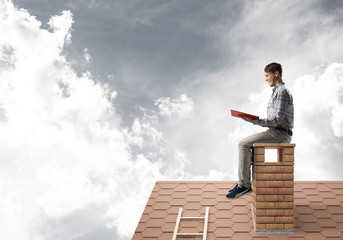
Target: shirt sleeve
(281, 101)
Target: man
(280, 121)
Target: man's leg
(244, 152)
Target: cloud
(182, 106)
(87, 55)
(69, 167)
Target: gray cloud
(214, 53)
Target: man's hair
(273, 67)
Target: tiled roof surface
(318, 211)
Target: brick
(265, 205)
(284, 176)
(274, 198)
(260, 212)
(265, 176)
(284, 191)
(274, 212)
(289, 198)
(289, 169)
(288, 151)
(264, 191)
(284, 219)
(259, 183)
(288, 158)
(259, 151)
(274, 163)
(289, 183)
(289, 226)
(259, 169)
(260, 198)
(274, 169)
(289, 212)
(260, 226)
(259, 158)
(265, 219)
(288, 205)
(275, 226)
(274, 145)
(274, 184)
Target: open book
(238, 114)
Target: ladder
(179, 218)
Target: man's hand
(248, 119)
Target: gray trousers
(272, 135)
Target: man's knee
(244, 144)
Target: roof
(318, 211)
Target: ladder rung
(190, 234)
(178, 219)
(192, 217)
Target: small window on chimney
(271, 155)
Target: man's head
(273, 73)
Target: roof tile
(153, 223)
(318, 211)
(224, 222)
(339, 226)
(310, 227)
(329, 202)
(327, 195)
(314, 236)
(223, 232)
(152, 232)
(323, 188)
(335, 209)
(178, 202)
(240, 218)
(331, 232)
(224, 214)
(326, 223)
(239, 209)
(163, 198)
(180, 195)
(240, 236)
(158, 214)
(161, 206)
(223, 205)
(192, 205)
(209, 187)
(209, 195)
(303, 209)
(318, 206)
(241, 227)
(181, 188)
(321, 214)
(314, 198)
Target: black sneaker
(238, 192)
(234, 188)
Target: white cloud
(64, 152)
(87, 55)
(182, 106)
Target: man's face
(271, 78)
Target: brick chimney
(273, 189)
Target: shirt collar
(278, 86)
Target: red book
(238, 114)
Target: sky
(100, 99)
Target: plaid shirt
(280, 111)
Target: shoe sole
(238, 195)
